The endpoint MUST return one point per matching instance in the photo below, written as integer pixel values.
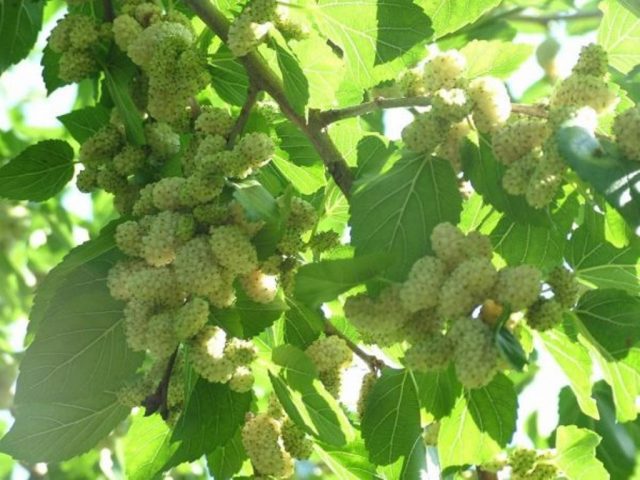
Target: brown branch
(485, 475)
(243, 117)
(545, 19)
(264, 78)
(372, 361)
(109, 14)
(326, 117)
(539, 111)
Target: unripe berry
(467, 286)
(136, 324)
(259, 287)
(126, 30)
(155, 285)
(240, 352)
(111, 181)
(475, 355)
(423, 324)
(492, 105)
(592, 61)
(255, 149)
(546, 179)
(129, 238)
(214, 121)
(261, 11)
(129, 160)
(518, 174)
(244, 35)
(420, 290)
(101, 147)
(449, 149)
(83, 33)
(451, 104)
(545, 314)
(150, 42)
(144, 203)
(626, 128)
(425, 133)
(166, 193)
(329, 353)
(233, 249)
(87, 179)
(518, 287)
(448, 243)
(444, 70)
(242, 380)
(261, 440)
(207, 355)
(76, 65)
(190, 318)
(564, 285)
(196, 270)
(516, 139)
(432, 353)
(368, 381)
(161, 341)
(295, 441)
(411, 83)
(164, 142)
(584, 90)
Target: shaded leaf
(38, 172)
(228, 77)
(226, 461)
(83, 123)
(438, 391)
(447, 16)
(20, 23)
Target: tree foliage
(273, 284)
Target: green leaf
(83, 123)
(305, 179)
(323, 69)
(354, 28)
(598, 163)
(576, 454)
(293, 141)
(147, 447)
(601, 265)
(210, 419)
(302, 325)
(401, 25)
(38, 172)
(65, 396)
(349, 462)
(396, 212)
(573, 358)
(226, 461)
(618, 34)
(447, 16)
(118, 75)
(20, 23)
(294, 81)
(485, 174)
(323, 281)
(510, 349)
(50, 67)
(495, 58)
(373, 154)
(391, 421)
(305, 399)
(228, 77)
(616, 450)
(438, 391)
(539, 245)
(247, 319)
(613, 348)
(482, 422)
(56, 279)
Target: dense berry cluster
(532, 465)
(250, 28)
(527, 147)
(272, 442)
(454, 102)
(330, 355)
(626, 128)
(436, 309)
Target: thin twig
(109, 14)
(545, 19)
(326, 117)
(372, 361)
(243, 117)
(264, 78)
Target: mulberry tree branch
(264, 78)
(373, 362)
(245, 112)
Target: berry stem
(373, 362)
(157, 401)
(243, 117)
(545, 19)
(264, 78)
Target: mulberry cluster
(527, 147)
(330, 355)
(454, 101)
(532, 465)
(272, 441)
(163, 46)
(248, 30)
(626, 128)
(434, 310)
(77, 38)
